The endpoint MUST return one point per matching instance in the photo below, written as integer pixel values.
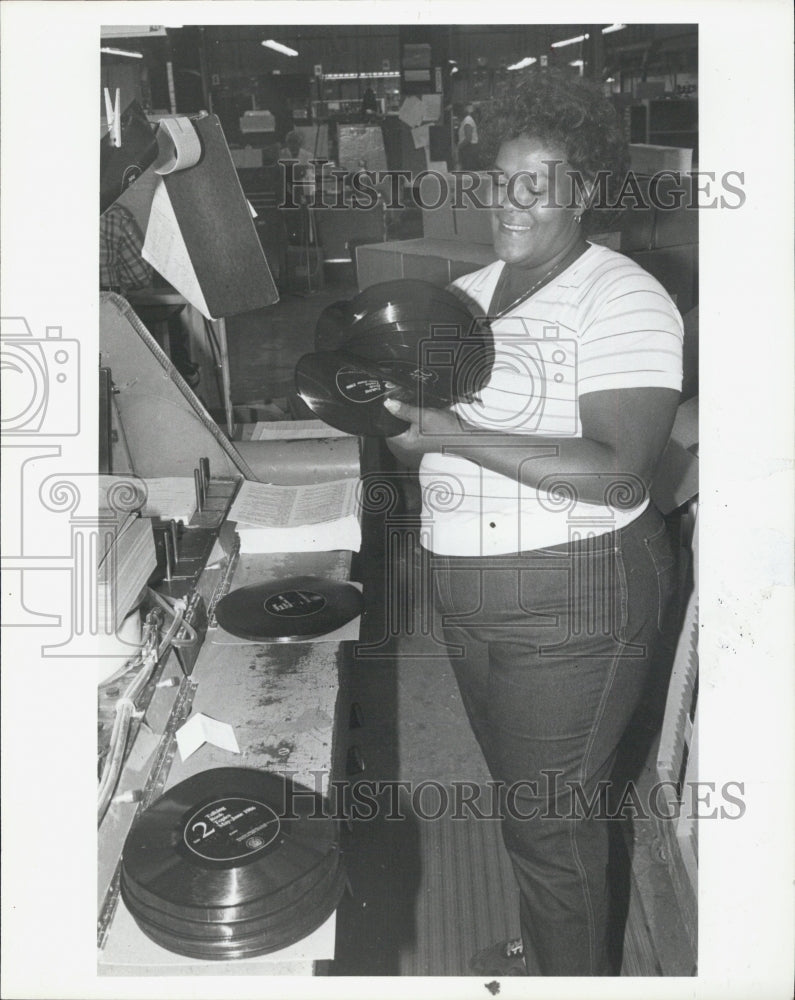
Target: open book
(316, 518)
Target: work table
(281, 699)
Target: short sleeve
(631, 333)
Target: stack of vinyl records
(232, 863)
(407, 340)
(126, 558)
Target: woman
(552, 569)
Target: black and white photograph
(397, 445)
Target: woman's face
(534, 213)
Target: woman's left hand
(430, 429)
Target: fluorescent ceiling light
(570, 41)
(132, 30)
(278, 47)
(527, 61)
(613, 27)
(381, 74)
(576, 62)
(121, 52)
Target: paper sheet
(164, 248)
(411, 112)
(266, 506)
(201, 729)
(432, 107)
(294, 430)
(421, 136)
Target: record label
(289, 610)
(360, 387)
(230, 829)
(294, 603)
(348, 395)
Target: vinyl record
(345, 392)
(399, 295)
(406, 339)
(230, 863)
(288, 610)
(402, 319)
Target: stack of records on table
(125, 560)
(232, 863)
(314, 518)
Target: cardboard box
(647, 159)
(610, 240)
(676, 268)
(469, 222)
(437, 261)
(473, 212)
(473, 225)
(437, 220)
(246, 157)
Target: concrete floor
(418, 907)
(264, 346)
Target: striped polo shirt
(603, 323)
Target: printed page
(325, 502)
(165, 249)
(266, 506)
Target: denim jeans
(551, 650)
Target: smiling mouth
(514, 228)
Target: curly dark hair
(572, 114)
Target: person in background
(294, 153)
(369, 102)
(551, 568)
(122, 269)
(293, 149)
(468, 148)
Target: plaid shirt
(121, 266)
